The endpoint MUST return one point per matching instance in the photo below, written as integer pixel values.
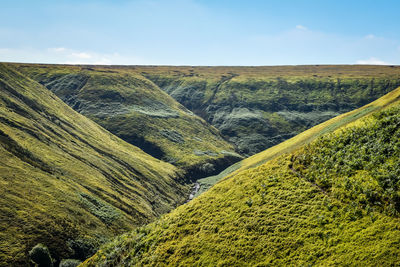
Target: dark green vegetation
(359, 165)
(40, 255)
(136, 110)
(334, 201)
(66, 182)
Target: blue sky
(200, 32)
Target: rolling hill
(332, 200)
(139, 112)
(67, 182)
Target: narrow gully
(195, 189)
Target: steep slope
(67, 182)
(311, 134)
(334, 201)
(135, 109)
(258, 107)
(299, 140)
(253, 107)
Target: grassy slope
(64, 178)
(334, 201)
(253, 107)
(300, 139)
(136, 110)
(258, 107)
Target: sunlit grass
(51, 156)
(310, 204)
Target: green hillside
(254, 108)
(65, 181)
(70, 184)
(136, 110)
(258, 107)
(300, 139)
(333, 201)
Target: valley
(331, 201)
(199, 133)
(91, 152)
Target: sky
(200, 32)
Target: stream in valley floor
(194, 191)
